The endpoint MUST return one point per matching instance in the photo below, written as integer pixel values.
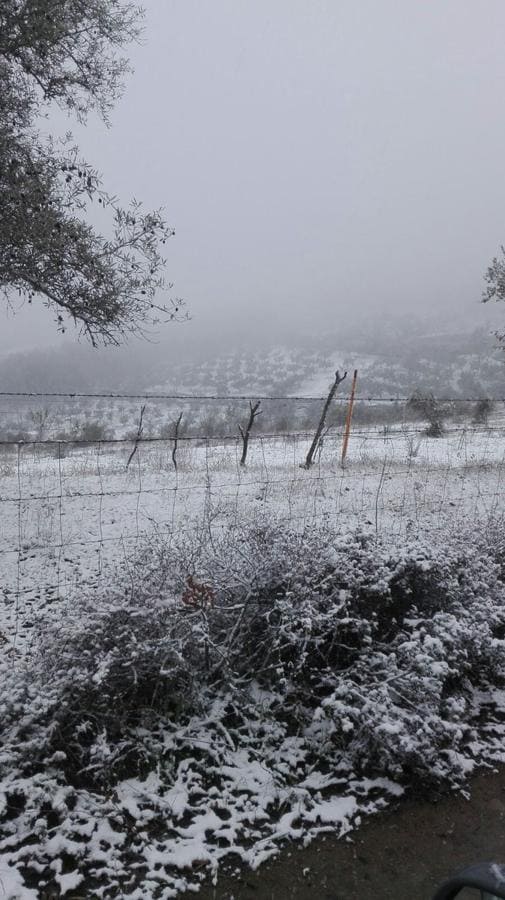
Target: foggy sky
(315, 157)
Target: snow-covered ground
(69, 513)
(237, 780)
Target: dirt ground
(402, 854)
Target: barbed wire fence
(74, 507)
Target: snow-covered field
(383, 647)
(70, 512)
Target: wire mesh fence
(73, 509)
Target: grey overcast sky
(315, 157)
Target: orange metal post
(348, 419)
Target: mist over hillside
(451, 365)
(393, 357)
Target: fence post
(348, 418)
(319, 430)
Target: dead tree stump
(254, 412)
(176, 440)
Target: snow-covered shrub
(371, 648)
(310, 615)
(109, 665)
(254, 650)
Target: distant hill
(456, 364)
(393, 358)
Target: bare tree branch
(138, 438)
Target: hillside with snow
(394, 357)
(451, 364)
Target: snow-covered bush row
(232, 691)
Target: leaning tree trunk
(319, 430)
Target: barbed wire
(72, 395)
(380, 432)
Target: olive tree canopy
(69, 52)
(495, 278)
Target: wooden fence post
(319, 430)
(348, 418)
